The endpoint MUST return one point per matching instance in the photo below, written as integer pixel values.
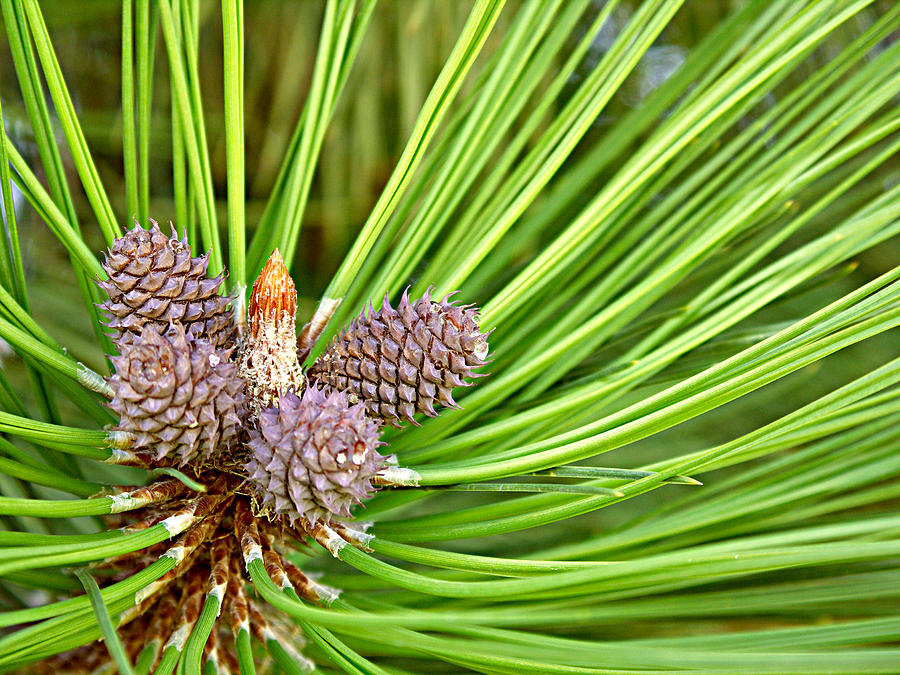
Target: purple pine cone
(181, 397)
(154, 281)
(313, 457)
(402, 361)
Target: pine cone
(154, 281)
(268, 357)
(400, 361)
(313, 457)
(179, 396)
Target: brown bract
(274, 296)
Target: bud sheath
(268, 357)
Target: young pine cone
(313, 457)
(154, 281)
(400, 361)
(181, 397)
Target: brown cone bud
(268, 357)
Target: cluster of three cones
(313, 439)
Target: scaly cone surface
(180, 396)
(154, 281)
(313, 457)
(268, 357)
(404, 360)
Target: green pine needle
(680, 222)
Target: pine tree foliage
(689, 265)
